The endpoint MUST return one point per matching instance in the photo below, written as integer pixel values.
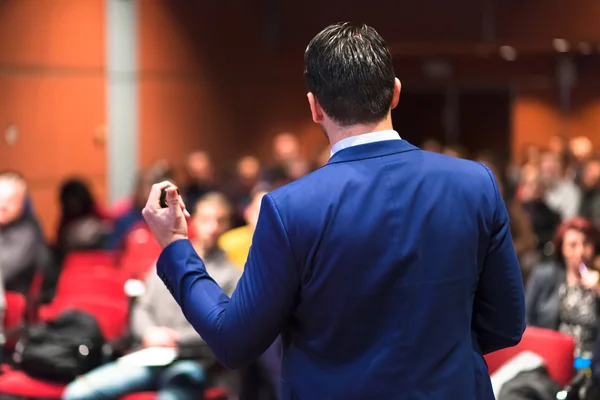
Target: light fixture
(508, 53)
(561, 45)
(585, 48)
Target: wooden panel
(58, 118)
(518, 20)
(55, 33)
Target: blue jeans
(181, 380)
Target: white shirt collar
(364, 139)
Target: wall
(214, 85)
(538, 115)
(52, 91)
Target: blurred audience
(81, 226)
(236, 243)
(23, 249)
(157, 321)
(133, 215)
(563, 294)
(201, 178)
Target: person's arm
(21, 251)
(239, 329)
(499, 306)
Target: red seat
(14, 316)
(141, 252)
(112, 316)
(97, 281)
(555, 348)
(19, 384)
(86, 259)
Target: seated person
(236, 242)
(563, 294)
(125, 222)
(23, 249)
(157, 321)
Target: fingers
(154, 198)
(183, 208)
(174, 201)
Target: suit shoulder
(300, 186)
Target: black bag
(62, 349)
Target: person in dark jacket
(563, 295)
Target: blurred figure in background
(157, 321)
(590, 185)
(201, 177)
(432, 145)
(236, 242)
(81, 226)
(288, 162)
(286, 147)
(524, 238)
(457, 151)
(23, 249)
(240, 185)
(562, 195)
(122, 225)
(563, 294)
(543, 219)
(581, 150)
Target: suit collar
(371, 150)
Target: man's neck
(339, 133)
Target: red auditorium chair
(112, 316)
(14, 317)
(555, 348)
(141, 252)
(86, 259)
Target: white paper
(150, 357)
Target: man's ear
(397, 89)
(315, 108)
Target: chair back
(555, 348)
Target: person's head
(285, 147)
(581, 148)
(551, 166)
(432, 145)
(350, 77)
(76, 199)
(591, 174)
(146, 178)
(575, 242)
(531, 154)
(248, 168)
(531, 184)
(251, 212)
(211, 219)
(13, 191)
(558, 145)
(199, 166)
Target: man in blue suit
(388, 272)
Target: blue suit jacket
(388, 272)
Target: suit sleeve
(499, 306)
(240, 328)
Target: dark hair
(579, 224)
(349, 70)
